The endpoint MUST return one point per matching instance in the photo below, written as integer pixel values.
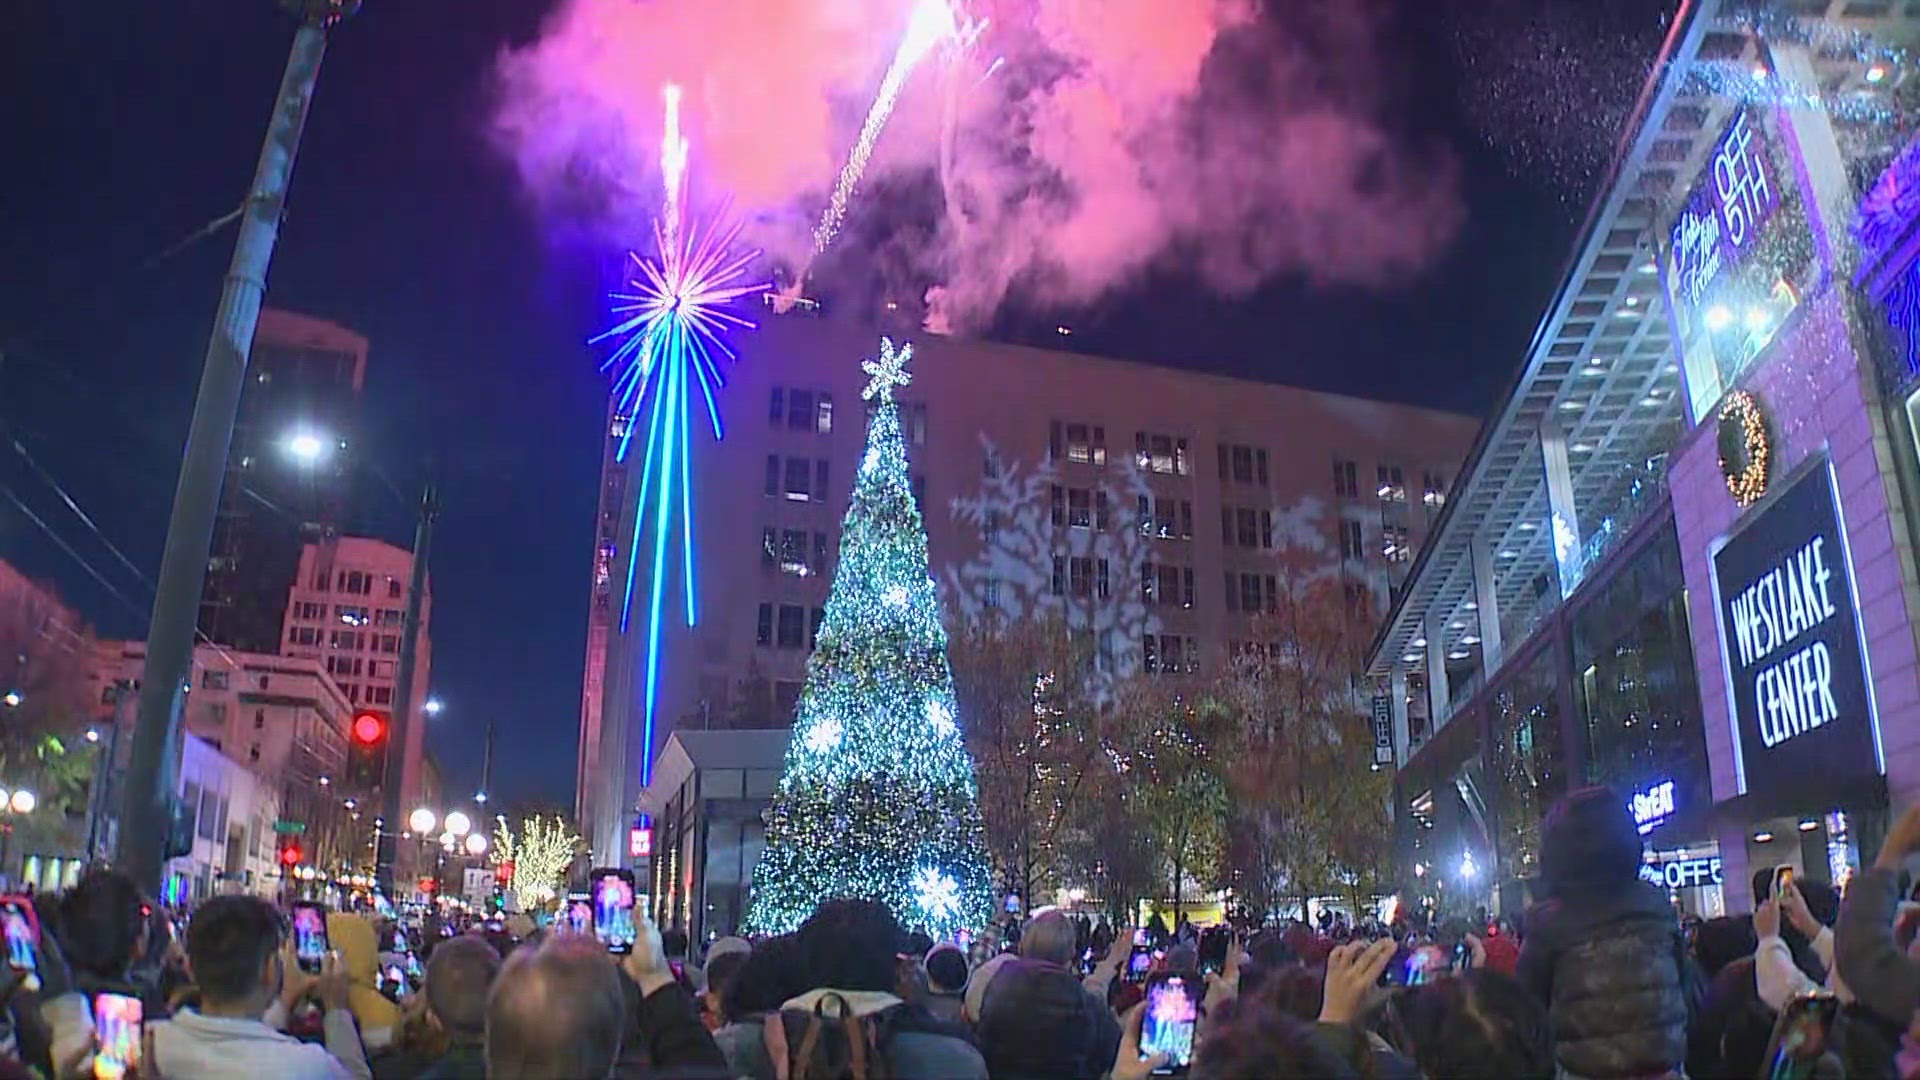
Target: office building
(346, 611)
(287, 479)
(1146, 506)
(1679, 560)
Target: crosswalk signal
(290, 853)
(367, 738)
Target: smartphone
(1140, 935)
(309, 935)
(1801, 1036)
(613, 898)
(23, 934)
(1171, 1017)
(117, 1034)
(577, 916)
(1782, 877)
(1139, 962)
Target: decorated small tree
(878, 800)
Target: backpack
(826, 1042)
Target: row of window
(1166, 585)
(349, 640)
(1391, 484)
(356, 666)
(1395, 545)
(1169, 654)
(787, 550)
(1072, 576)
(350, 614)
(354, 581)
(1086, 444)
(797, 479)
(1243, 464)
(802, 410)
(788, 626)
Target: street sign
(476, 884)
(289, 828)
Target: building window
(1057, 505)
(778, 409)
(800, 416)
(1059, 582)
(798, 477)
(819, 481)
(213, 680)
(1393, 543)
(792, 629)
(819, 563)
(1435, 490)
(1346, 479)
(1080, 508)
(1352, 545)
(1250, 592)
(1087, 444)
(1162, 454)
(382, 695)
(763, 633)
(1393, 484)
(320, 580)
(393, 588)
(823, 414)
(990, 465)
(1149, 653)
(913, 422)
(793, 552)
(1080, 575)
(389, 643)
(773, 475)
(769, 547)
(990, 594)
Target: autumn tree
(46, 703)
(1027, 703)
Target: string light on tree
(539, 853)
(887, 807)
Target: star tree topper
(888, 372)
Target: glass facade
(1526, 760)
(1635, 690)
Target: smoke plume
(1074, 143)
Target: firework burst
(671, 338)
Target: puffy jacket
(1608, 968)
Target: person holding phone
(1877, 971)
(1806, 907)
(242, 964)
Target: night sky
(132, 125)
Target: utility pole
(183, 564)
(386, 827)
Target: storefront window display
(1635, 688)
(1525, 762)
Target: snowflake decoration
(940, 716)
(895, 596)
(824, 735)
(937, 894)
(871, 462)
(888, 372)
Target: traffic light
(289, 853)
(367, 738)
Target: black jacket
(1608, 968)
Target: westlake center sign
(1790, 642)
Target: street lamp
(305, 447)
(12, 700)
(421, 821)
(432, 706)
(476, 844)
(93, 735)
(458, 824)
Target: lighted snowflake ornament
(937, 894)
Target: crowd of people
(1599, 980)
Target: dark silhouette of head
(1478, 1025)
(1589, 845)
(459, 977)
(850, 944)
(556, 1010)
(1049, 937)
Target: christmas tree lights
(878, 798)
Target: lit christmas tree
(878, 799)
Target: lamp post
(183, 562)
(15, 803)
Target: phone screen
(1172, 1014)
(1139, 962)
(309, 936)
(1782, 877)
(16, 915)
(613, 910)
(116, 1035)
(1140, 936)
(1801, 1036)
(578, 915)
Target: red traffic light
(368, 728)
(290, 855)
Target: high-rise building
(287, 473)
(1145, 505)
(346, 610)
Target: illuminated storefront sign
(1652, 806)
(1723, 214)
(1790, 641)
(1681, 873)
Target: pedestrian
(1603, 950)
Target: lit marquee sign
(1681, 873)
(1652, 807)
(1723, 214)
(1790, 642)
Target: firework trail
(671, 338)
(931, 23)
